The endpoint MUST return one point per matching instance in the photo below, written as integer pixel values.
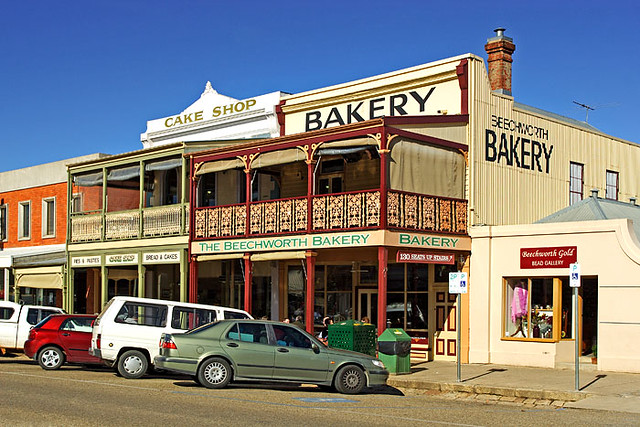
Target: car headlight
(377, 363)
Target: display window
(537, 309)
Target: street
(75, 395)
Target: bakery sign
(551, 257)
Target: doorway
(368, 304)
(589, 293)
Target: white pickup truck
(16, 320)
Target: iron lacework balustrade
(157, 221)
(332, 212)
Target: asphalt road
(75, 395)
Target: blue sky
(79, 77)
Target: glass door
(368, 304)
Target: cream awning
(426, 169)
(280, 157)
(41, 277)
(270, 256)
(220, 257)
(122, 274)
(219, 165)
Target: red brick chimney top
(499, 49)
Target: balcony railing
(156, 222)
(343, 211)
(426, 213)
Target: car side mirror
(315, 348)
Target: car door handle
(283, 350)
(65, 334)
(232, 344)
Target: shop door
(368, 304)
(446, 332)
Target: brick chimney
(499, 49)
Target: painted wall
(606, 249)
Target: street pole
(577, 336)
(459, 318)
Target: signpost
(458, 284)
(574, 282)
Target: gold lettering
(198, 116)
(169, 122)
(216, 111)
(250, 103)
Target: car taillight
(98, 341)
(167, 342)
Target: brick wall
(35, 195)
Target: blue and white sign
(574, 275)
(458, 283)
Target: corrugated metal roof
(557, 117)
(595, 208)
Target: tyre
(214, 373)
(132, 364)
(350, 380)
(50, 358)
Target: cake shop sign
(554, 257)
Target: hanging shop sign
(425, 257)
(85, 261)
(552, 257)
(161, 257)
(121, 259)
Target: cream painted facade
(607, 251)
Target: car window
(43, 322)
(77, 324)
(249, 332)
(6, 313)
(189, 318)
(142, 314)
(34, 315)
(234, 315)
(290, 337)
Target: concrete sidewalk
(613, 391)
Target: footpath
(611, 391)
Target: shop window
(207, 190)
(534, 309)
(3, 223)
(24, 220)
(611, 192)
(331, 177)
(407, 297)
(49, 217)
(576, 181)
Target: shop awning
(163, 165)
(220, 257)
(346, 146)
(270, 256)
(40, 260)
(280, 157)
(41, 277)
(219, 165)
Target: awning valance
(220, 257)
(42, 277)
(88, 179)
(280, 157)
(346, 146)
(271, 256)
(123, 174)
(163, 165)
(219, 165)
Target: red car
(61, 338)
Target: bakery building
(128, 222)
(355, 209)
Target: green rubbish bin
(394, 350)
(353, 335)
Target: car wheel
(195, 378)
(350, 380)
(214, 373)
(132, 364)
(50, 358)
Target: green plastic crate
(353, 335)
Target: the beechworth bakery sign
(553, 257)
(521, 145)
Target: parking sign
(458, 283)
(574, 275)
